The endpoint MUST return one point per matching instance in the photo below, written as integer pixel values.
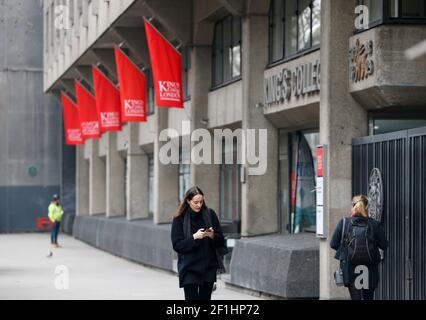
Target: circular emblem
(375, 195)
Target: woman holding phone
(196, 234)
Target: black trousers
(199, 292)
(363, 294)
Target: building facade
(30, 122)
(312, 73)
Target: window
(382, 125)
(297, 163)
(184, 174)
(375, 9)
(389, 11)
(227, 51)
(150, 186)
(294, 27)
(230, 186)
(186, 69)
(408, 9)
(150, 92)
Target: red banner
(86, 106)
(132, 89)
(71, 122)
(166, 63)
(108, 103)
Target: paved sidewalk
(26, 273)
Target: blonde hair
(360, 206)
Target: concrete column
(115, 185)
(341, 119)
(204, 176)
(137, 177)
(166, 177)
(259, 192)
(97, 184)
(82, 182)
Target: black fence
(401, 159)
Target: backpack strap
(343, 231)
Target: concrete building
(30, 122)
(311, 73)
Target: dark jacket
(341, 252)
(197, 259)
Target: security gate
(401, 159)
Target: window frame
(215, 84)
(387, 19)
(226, 188)
(184, 174)
(298, 53)
(150, 110)
(186, 68)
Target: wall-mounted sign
(321, 230)
(300, 81)
(361, 61)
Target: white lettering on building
(303, 80)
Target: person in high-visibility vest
(55, 216)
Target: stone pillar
(341, 120)
(115, 170)
(82, 182)
(259, 192)
(204, 176)
(97, 183)
(166, 177)
(137, 177)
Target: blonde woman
(357, 240)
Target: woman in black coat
(359, 216)
(196, 234)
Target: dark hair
(189, 195)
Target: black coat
(341, 252)
(197, 259)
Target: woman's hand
(200, 234)
(209, 233)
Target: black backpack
(360, 243)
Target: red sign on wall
(320, 162)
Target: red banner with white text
(71, 122)
(132, 83)
(86, 106)
(108, 102)
(166, 64)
